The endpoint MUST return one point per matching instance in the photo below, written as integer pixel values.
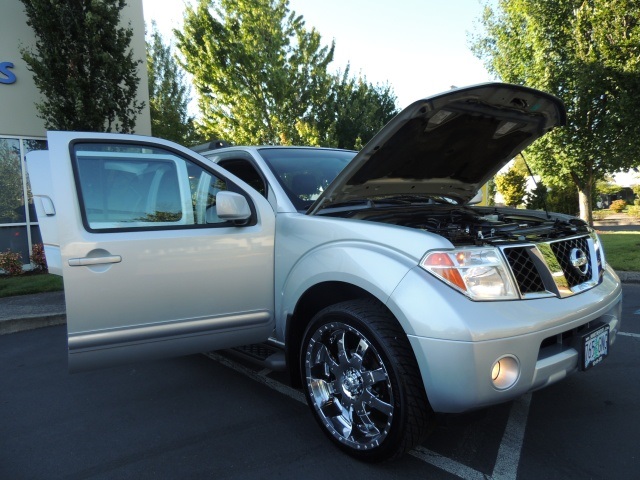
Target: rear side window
(133, 187)
(246, 171)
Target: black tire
(362, 381)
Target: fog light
(495, 372)
(505, 372)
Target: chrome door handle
(88, 261)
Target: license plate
(595, 347)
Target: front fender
(374, 268)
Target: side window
(132, 187)
(245, 170)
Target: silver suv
(370, 276)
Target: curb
(25, 323)
(629, 277)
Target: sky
(420, 47)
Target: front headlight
(480, 273)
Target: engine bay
(464, 225)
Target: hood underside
(448, 145)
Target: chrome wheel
(348, 385)
(362, 380)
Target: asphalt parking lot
(216, 417)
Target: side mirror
(232, 206)
(476, 199)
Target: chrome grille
(562, 250)
(546, 268)
(525, 271)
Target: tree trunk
(584, 200)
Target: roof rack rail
(211, 145)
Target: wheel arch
(311, 302)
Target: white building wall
(18, 114)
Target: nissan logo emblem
(579, 260)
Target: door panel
(149, 269)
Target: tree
(607, 186)
(537, 198)
(352, 114)
(168, 93)
(83, 65)
(260, 74)
(512, 186)
(360, 111)
(587, 52)
(636, 191)
(491, 192)
(563, 199)
(262, 77)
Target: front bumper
(464, 339)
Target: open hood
(447, 145)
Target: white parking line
(627, 334)
(277, 386)
(506, 466)
(447, 464)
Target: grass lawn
(29, 283)
(622, 250)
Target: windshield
(304, 173)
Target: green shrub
(636, 190)
(618, 206)
(536, 199)
(11, 262)
(38, 258)
(634, 211)
(563, 200)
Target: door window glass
(125, 187)
(29, 145)
(11, 189)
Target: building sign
(6, 75)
